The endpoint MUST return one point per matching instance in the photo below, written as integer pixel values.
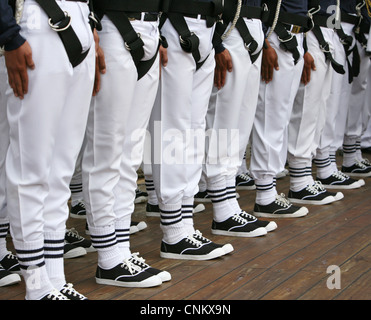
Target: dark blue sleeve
(9, 29)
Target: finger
(18, 88)
(29, 61)
(229, 65)
(164, 59)
(24, 81)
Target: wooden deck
(289, 263)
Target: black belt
(251, 12)
(60, 22)
(144, 16)
(128, 5)
(348, 18)
(288, 41)
(325, 47)
(250, 43)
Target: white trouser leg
(273, 114)
(307, 118)
(44, 143)
(184, 100)
(4, 138)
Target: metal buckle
(56, 27)
(295, 29)
(183, 41)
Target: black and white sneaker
(280, 208)
(339, 180)
(366, 162)
(337, 195)
(73, 237)
(127, 274)
(311, 195)
(54, 295)
(8, 278)
(10, 263)
(228, 248)
(140, 196)
(71, 294)
(139, 261)
(72, 251)
(245, 182)
(190, 249)
(78, 211)
(238, 227)
(268, 225)
(357, 170)
(136, 226)
(202, 197)
(152, 210)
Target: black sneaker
(71, 293)
(152, 210)
(339, 180)
(202, 197)
(238, 227)
(136, 226)
(245, 182)
(190, 249)
(227, 248)
(127, 274)
(280, 208)
(268, 225)
(7, 278)
(366, 162)
(357, 170)
(311, 195)
(337, 195)
(78, 211)
(140, 196)
(54, 295)
(72, 251)
(73, 237)
(139, 261)
(10, 263)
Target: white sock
(122, 229)
(172, 224)
(232, 195)
(298, 177)
(349, 151)
(4, 228)
(265, 191)
(31, 260)
(217, 191)
(150, 188)
(187, 215)
(104, 240)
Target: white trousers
(339, 84)
(117, 121)
(273, 112)
(4, 140)
(308, 115)
(47, 126)
(357, 102)
(344, 101)
(232, 109)
(179, 138)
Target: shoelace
(193, 241)
(282, 201)
(130, 266)
(70, 290)
(10, 256)
(239, 219)
(247, 216)
(360, 165)
(198, 236)
(366, 162)
(245, 176)
(319, 186)
(73, 233)
(137, 260)
(81, 204)
(339, 175)
(56, 295)
(313, 189)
